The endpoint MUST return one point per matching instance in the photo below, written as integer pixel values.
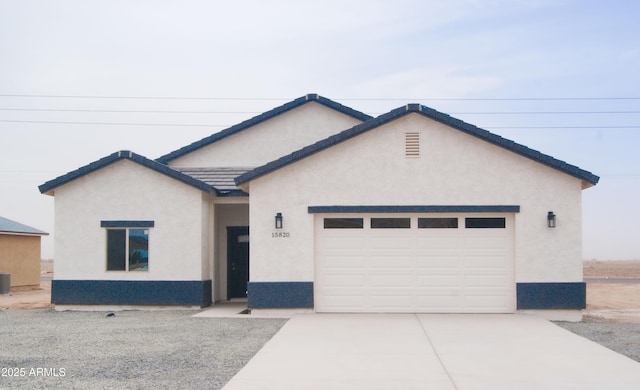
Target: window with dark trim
(437, 223)
(127, 247)
(343, 223)
(484, 223)
(390, 223)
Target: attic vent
(412, 144)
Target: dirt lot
(616, 302)
(39, 298)
(619, 302)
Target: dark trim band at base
(120, 292)
(279, 295)
(555, 296)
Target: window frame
(127, 227)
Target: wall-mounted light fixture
(279, 221)
(551, 219)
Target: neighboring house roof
(125, 155)
(219, 178)
(588, 178)
(13, 227)
(261, 118)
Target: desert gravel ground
(623, 338)
(172, 349)
(165, 349)
(133, 349)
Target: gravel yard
(166, 349)
(171, 349)
(623, 338)
(133, 349)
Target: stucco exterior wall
(271, 139)
(20, 256)
(128, 191)
(453, 169)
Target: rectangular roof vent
(412, 144)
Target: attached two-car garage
(415, 263)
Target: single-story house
(20, 253)
(316, 205)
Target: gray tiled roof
(9, 226)
(588, 178)
(122, 155)
(222, 179)
(312, 97)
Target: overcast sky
(64, 63)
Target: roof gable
(262, 118)
(588, 178)
(124, 155)
(12, 227)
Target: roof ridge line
(312, 97)
(125, 155)
(432, 114)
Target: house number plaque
(280, 235)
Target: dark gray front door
(237, 261)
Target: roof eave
(31, 234)
(49, 187)
(585, 176)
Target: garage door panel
(345, 262)
(486, 302)
(481, 261)
(382, 280)
(343, 280)
(441, 280)
(343, 302)
(427, 245)
(440, 303)
(484, 280)
(437, 261)
(389, 262)
(415, 270)
(392, 303)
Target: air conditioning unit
(5, 283)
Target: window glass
(127, 249)
(116, 249)
(138, 249)
(437, 223)
(390, 223)
(343, 223)
(484, 223)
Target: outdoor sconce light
(551, 219)
(279, 221)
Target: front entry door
(237, 261)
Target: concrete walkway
(409, 351)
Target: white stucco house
(316, 205)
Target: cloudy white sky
(71, 72)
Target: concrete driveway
(432, 351)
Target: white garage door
(415, 264)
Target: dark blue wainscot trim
(550, 296)
(120, 292)
(278, 295)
